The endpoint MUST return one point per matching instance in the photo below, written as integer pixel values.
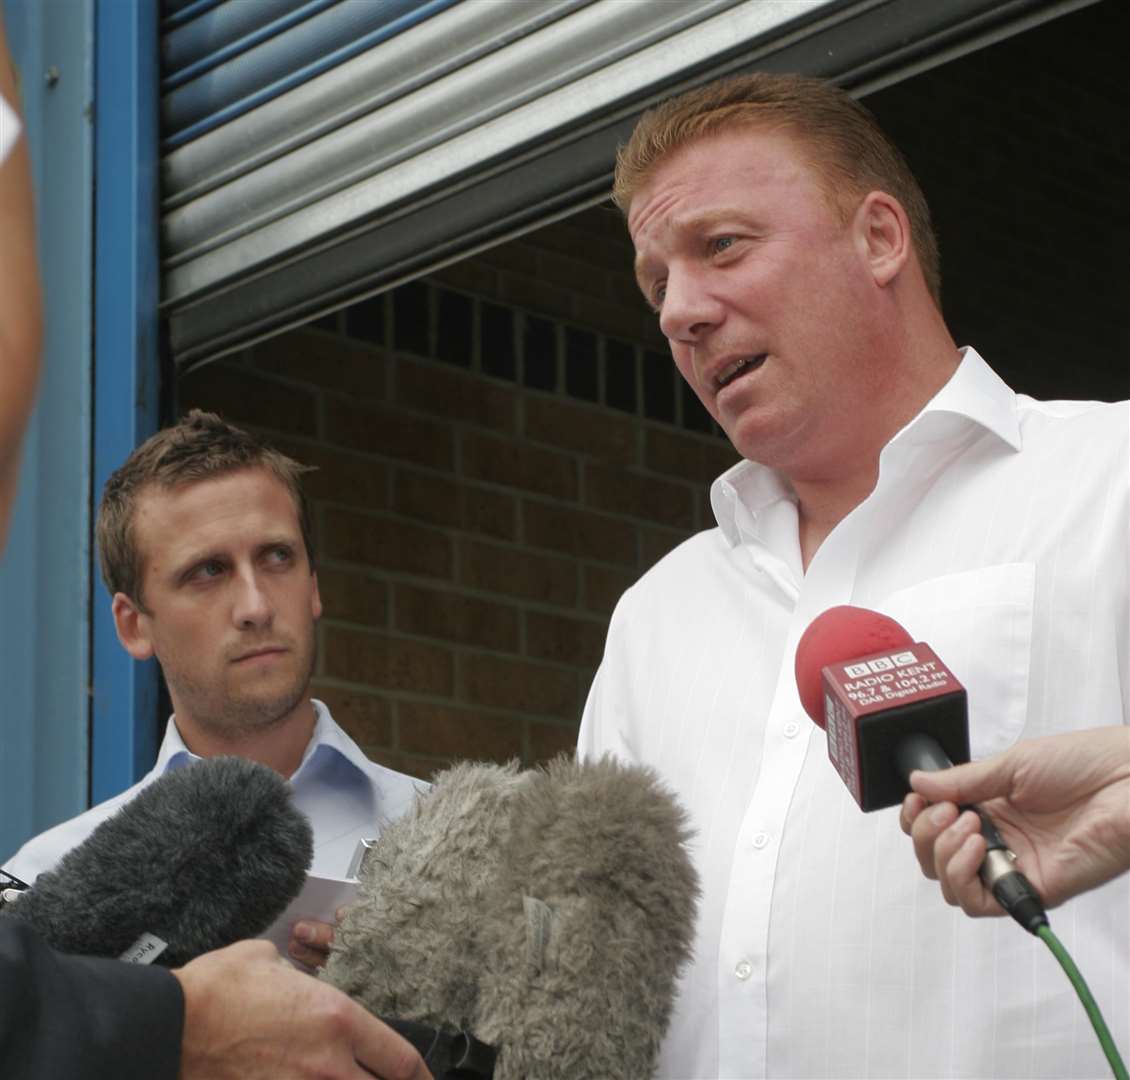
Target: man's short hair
(848, 148)
(200, 447)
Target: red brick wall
(473, 532)
(577, 269)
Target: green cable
(1081, 988)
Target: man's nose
(688, 311)
(252, 605)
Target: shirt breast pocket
(980, 623)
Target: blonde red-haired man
(788, 254)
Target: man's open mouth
(742, 366)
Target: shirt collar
(327, 738)
(975, 393)
(746, 488)
(173, 753)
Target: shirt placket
(743, 957)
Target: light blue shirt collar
(326, 737)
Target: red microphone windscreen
(838, 634)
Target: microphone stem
(1013, 891)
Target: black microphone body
(204, 856)
(889, 713)
(1013, 891)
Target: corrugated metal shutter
(327, 150)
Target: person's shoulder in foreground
(77, 1017)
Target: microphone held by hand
(546, 913)
(889, 706)
(203, 857)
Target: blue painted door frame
(126, 363)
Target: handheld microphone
(545, 912)
(203, 857)
(889, 705)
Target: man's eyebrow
(284, 540)
(698, 221)
(718, 215)
(183, 566)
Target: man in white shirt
(789, 254)
(205, 544)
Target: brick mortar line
(465, 649)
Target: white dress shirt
(998, 533)
(346, 796)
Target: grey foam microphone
(205, 856)
(544, 912)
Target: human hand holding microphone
(1063, 801)
(896, 718)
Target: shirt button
(760, 840)
(791, 728)
(744, 970)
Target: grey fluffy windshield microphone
(545, 912)
(204, 856)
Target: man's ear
(130, 622)
(883, 234)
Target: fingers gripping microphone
(545, 912)
(203, 857)
(890, 706)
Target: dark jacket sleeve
(70, 1016)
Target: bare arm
(20, 315)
